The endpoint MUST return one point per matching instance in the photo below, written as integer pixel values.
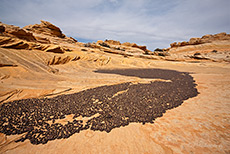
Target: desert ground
(201, 124)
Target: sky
(154, 23)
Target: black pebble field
(140, 103)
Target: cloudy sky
(155, 23)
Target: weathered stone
(55, 49)
(173, 45)
(45, 28)
(16, 45)
(22, 34)
(112, 42)
(56, 60)
(194, 41)
(2, 28)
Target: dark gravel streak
(141, 103)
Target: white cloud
(153, 23)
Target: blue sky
(155, 23)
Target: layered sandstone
(208, 47)
(45, 28)
(204, 39)
(16, 32)
(109, 71)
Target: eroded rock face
(55, 49)
(202, 40)
(13, 43)
(43, 40)
(56, 60)
(195, 41)
(134, 45)
(22, 34)
(14, 31)
(45, 28)
(16, 45)
(113, 42)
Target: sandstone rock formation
(53, 65)
(204, 39)
(56, 60)
(111, 46)
(45, 28)
(49, 38)
(14, 31)
(113, 42)
(39, 37)
(205, 46)
(22, 34)
(55, 49)
(45, 32)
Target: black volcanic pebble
(141, 103)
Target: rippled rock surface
(100, 109)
